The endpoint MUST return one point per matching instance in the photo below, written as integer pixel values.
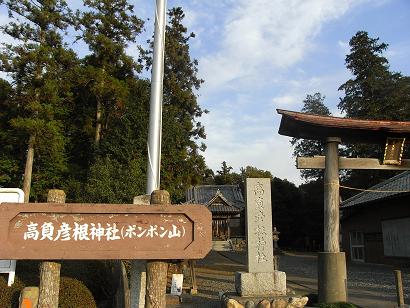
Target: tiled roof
(310, 126)
(395, 186)
(231, 196)
(223, 208)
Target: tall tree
(104, 98)
(107, 28)
(38, 65)
(225, 176)
(287, 212)
(374, 92)
(313, 104)
(182, 162)
(117, 174)
(9, 141)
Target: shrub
(73, 294)
(9, 296)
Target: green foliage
(225, 176)
(55, 98)
(107, 28)
(311, 210)
(39, 65)
(376, 93)
(9, 296)
(97, 276)
(110, 181)
(9, 144)
(253, 172)
(287, 207)
(73, 292)
(312, 104)
(368, 94)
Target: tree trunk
(28, 169)
(50, 271)
(157, 270)
(98, 122)
(49, 284)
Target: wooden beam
(318, 162)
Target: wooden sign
(50, 231)
(393, 151)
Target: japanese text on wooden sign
(78, 231)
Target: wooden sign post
(51, 231)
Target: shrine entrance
(220, 228)
(332, 278)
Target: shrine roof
(393, 187)
(310, 126)
(218, 198)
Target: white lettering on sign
(95, 231)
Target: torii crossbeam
(333, 130)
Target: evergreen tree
(182, 163)
(287, 212)
(119, 170)
(39, 65)
(9, 141)
(107, 28)
(225, 176)
(313, 104)
(107, 102)
(375, 93)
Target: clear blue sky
(256, 56)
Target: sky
(260, 55)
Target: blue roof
(395, 186)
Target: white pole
(138, 274)
(155, 115)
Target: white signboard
(14, 195)
(396, 237)
(176, 284)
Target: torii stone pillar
(332, 276)
(332, 263)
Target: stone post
(138, 279)
(261, 278)
(157, 270)
(50, 271)
(332, 275)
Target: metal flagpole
(155, 115)
(138, 274)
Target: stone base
(231, 300)
(260, 284)
(332, 278)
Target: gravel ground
(369, 285)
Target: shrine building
(227, 206)
(376, 223)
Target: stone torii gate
(332, 278)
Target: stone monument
(261, 278)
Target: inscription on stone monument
(259, 225)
